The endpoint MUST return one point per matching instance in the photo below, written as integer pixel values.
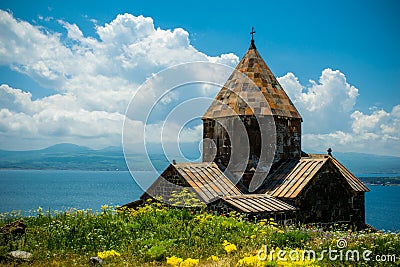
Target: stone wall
(329, 199)
(166, 184)
(233, 139)
(288, 138)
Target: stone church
(276, 178)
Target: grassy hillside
(156, 235)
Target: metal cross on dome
(252, 33)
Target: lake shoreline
(26, 190)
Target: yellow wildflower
(174, 261)
(229, 247)
(189, 262)
(250, 261)
(108, 254)
(213, 258)
(253, 236)
(203, 218)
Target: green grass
(147, 236)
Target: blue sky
(348, 48)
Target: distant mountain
(361, 163)
(64, 157)
(64, 148)
(70, 156)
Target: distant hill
(64, 157)
(64, 148)
(70, 156)
(367, 163)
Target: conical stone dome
(238, 90)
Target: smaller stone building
(321, 187)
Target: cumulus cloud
(330, 118)
(94, 78)
(332, 96)
(52, 118)
(15, 99)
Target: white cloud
(126, 29)
(16, 123)
(73, 30)
(57, 117)
(95, 78)
(14, 99)
(363, 123)
(330, 120)
(319, 102)
(226, 59)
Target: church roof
(207, 180)
(257, 203)
(239, 90)
(203, 178)
(355, 183)
(211, 185)
(294, 175)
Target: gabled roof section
(203, 178)
(299, 176)
(207, 180)
(257, 203)
(232, 101)
(294, 175)
(353, 181)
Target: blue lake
(61, 189)
(58, 190)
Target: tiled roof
(203, 178)
(299, 177)
(238, 91)
(293, 176)
(207, 180)
(258, 203)
(210, 184)
(353, 181)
